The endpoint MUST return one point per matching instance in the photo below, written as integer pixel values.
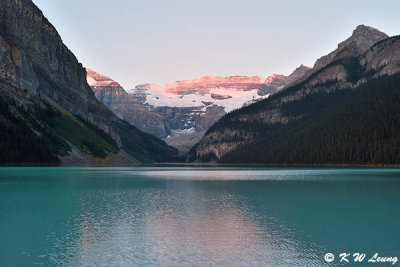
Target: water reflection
(195, 216)
(183, 223)
(210, 229)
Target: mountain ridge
(362, 38)
(379, 60)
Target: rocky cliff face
(272, 84)
(35, 66)
(276, 83)
(338, 73)
(125, 106)
(97, 80)
(296, 75)
(34, 57)
(363, 38)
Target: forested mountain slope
(345, 112)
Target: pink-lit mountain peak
(209, 83)
(274, 78)
(96, 79)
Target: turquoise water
(196, 216)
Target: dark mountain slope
(38, 70)
(324, 119)
(347, 126)
(38, 133)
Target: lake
(197, 216)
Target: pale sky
(161, 41)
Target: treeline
(42, 133)
(349, 126)
(18, 142)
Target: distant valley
(180, 113)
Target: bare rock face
(276, 82)
(186, 125)
(383, 58)
(98, 80)
(272, 84)
(296, 75)
(34, 57)
(363, 38)
(125, 106)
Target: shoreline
(212, 164)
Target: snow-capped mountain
(181, 112)
(227, 92)
(193, 106)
